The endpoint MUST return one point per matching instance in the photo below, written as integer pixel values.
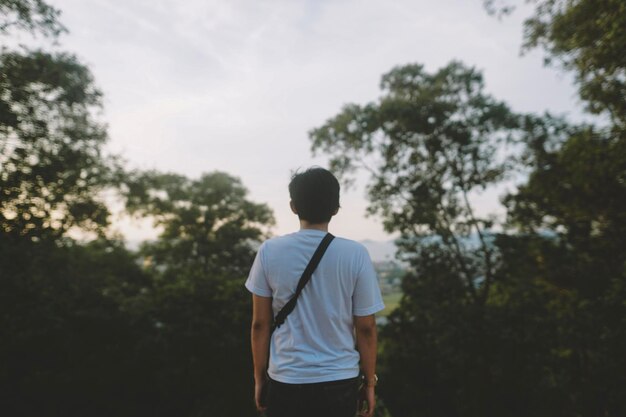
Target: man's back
(316, 343)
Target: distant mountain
(386, 250)
(380, 250)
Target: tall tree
(429, 143)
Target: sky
(201, 85)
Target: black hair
(315, 194)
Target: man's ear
(336, 211)
(293, 207)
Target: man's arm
(366, 340)
(260, 336)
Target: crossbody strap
(304, 279)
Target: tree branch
(485, 249)
(451, 240)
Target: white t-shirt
(316, 343)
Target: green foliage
(444, 355)
(92, 333)
(50, 146)
(578, 193)
(66, 330)
(51, 159)
(208, 224)
(197, 303)
(430, 141)
(524, 323)
(30, 15)
(577, 190)
(539, 346)
(588, 38)
(198, 354)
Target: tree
(208, 224)
(64, 307)
(72, 335)
(50, 146)
(577, 192)
(201, 313)
(429, 143)
(588, 38)
(50, 140)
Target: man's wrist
(371, 381)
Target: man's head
(314, 195)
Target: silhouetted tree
(198, 305)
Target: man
(314, 366)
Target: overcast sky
(200, 85)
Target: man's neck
(313, 226)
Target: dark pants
(323, 399)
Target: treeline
(527, 321)
(94, 329)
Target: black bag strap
(304, 279)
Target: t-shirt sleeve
(257, 282)
(366, 298)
